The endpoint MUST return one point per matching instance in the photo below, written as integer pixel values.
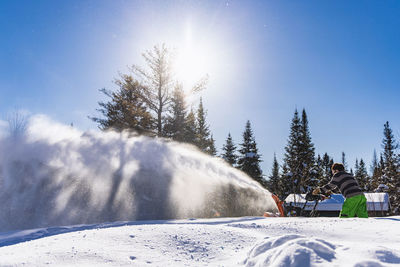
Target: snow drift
(291, 250)
(57, 175)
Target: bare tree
(156, 80)
(17, 124)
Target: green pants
(354, 207)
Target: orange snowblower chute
(279, 204)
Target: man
(355, 203)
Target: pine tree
(375, 172)
(285, 182)
(211, 148)
(344, 162)
(374, 163)
(203, 132)
(356, 167)
(361, 175)
(390, 168)
(299, 159)
(327, 163)
(125, 110)
(249, 160)
(389, 145)
(307, 155)
(229, 149)
(190, 129)
(273, 182)
(320, 169)
(175, 123)
(291, 163)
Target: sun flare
(191, 65)
(193, 59)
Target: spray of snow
(58, 175)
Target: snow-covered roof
(375, 202)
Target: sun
(191, 65)
(192, 62)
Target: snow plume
(56, 175)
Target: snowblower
(279, 205)
(317, 198)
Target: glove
(325, 197)
(316, 191)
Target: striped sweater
(346, 183)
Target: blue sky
(340, 60)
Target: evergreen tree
(299, 160)
(175, 123)
(203, 132)
(390, 171)
(382, 166)
(273, 182)
(285, 182)
(390, 168)
(229, 149)
(307, 156)
(361, 175)
(320, 169)
(249, 160)
(211, 149)
(190, 129)
(374, 163)
(375, 172)
(327, 163)
(291, 163)
(356, 167)
(344, 162)
(125, 110)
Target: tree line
(302, 170)
(150, 101)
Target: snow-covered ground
(243, 241)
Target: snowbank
(291, 250)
